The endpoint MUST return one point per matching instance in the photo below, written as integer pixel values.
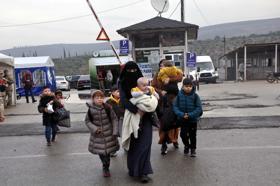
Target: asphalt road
(225, 157)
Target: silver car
(62, 83)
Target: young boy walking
(47, 107)
(118, 108)
(187, 107)
(102, 124)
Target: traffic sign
(191, 59)
(124, 47)
(102, 35)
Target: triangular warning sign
(102, 35)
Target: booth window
(39, 78)
(21, 77)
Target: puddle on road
(210, 107)
(230, 97)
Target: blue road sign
(124, 47)
(191, 59)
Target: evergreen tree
(64, 53)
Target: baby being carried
(143, 88)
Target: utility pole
(224, 45)
(182, 11)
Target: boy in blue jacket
(187, 107)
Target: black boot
(186, 150)
(145, 179)
(193, 153)
(164, 149)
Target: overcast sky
(85, 30)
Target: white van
(207, 72)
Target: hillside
(215, 47)
(72, 65)
(237, 29)
(59, 50)
(244, 28)
(212, 47)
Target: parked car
(62, 83)
(73, 80)
(84, 82)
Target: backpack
(107, 110)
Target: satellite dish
(161, 6)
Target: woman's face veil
(129, 76)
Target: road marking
(240, 148)
(44, 155)
(89, 154)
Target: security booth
(159, 38)
(254, 60)
(41, 70)
(99, 66)
(7, 63)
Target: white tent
(42, 70)
(6, 60)
(7, 63)
(33, 62)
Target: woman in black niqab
(129, 76)
(139, 154)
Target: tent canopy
(8, 60)
(32, 62)
(106, 61)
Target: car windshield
(75, 78)
(205, 66)
(85, 77)
(59, 78)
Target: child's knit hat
(187, 81)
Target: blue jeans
(50, 132)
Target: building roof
(157, 24)
(253, 48)
(31, 62)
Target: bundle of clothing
(131, 122)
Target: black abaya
(139, 154)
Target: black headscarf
(128, 80)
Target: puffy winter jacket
(106, 142)
(188, 103)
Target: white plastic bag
(50, 108)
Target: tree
(64, 53)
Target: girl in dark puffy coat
(103, 126)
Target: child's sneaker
(176, 145)
(193, 153)
(106, 173)
(115, 154)
(164, 149)
(49, 144)
(186, 150)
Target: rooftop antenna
(161, 6)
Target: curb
(204, 124)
